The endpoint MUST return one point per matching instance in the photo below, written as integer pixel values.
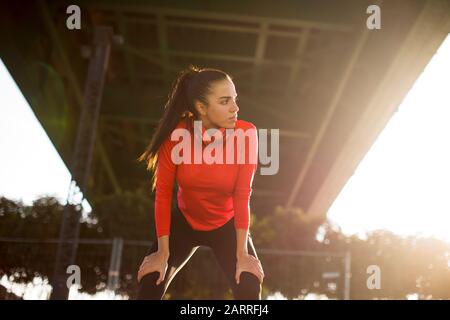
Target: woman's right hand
(157, 261)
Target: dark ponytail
(192, 84)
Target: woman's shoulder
(169, 142)
(181, 124)
(242, 124)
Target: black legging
(184, 241)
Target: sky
(30, 165)
(403, 183)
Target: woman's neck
(207, 124)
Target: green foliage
(128, 215)
(285, 229)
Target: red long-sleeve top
(209, 194)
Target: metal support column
(347, 275)
(114, 265)
(81, 160)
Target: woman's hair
(192, 84)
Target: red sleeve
(165, 175)
(243, 188)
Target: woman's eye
(228, 100)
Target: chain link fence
(112, 264)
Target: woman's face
(221, 111)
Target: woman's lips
(233, 118)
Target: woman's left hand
(249, 263)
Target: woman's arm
(245, 261)
(241, 237)
(163, 245)
(243, 190)
(165, 177)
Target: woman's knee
(249, 287)
(147, 288)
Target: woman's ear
(200, 107)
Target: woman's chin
(231, 124)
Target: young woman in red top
(212, 207)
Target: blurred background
(363, 181)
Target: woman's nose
(235, 107)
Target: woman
(213, 197)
